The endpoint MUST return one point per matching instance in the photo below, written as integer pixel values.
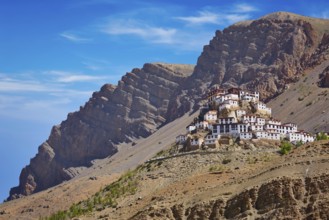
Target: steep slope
(265, 54)
(305, 102)
(324, 78)
(256, 182)
(103, 172)
(251, 184)
(116, 114)
(286, 198)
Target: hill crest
(266, 55)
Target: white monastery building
(240, 122)
(211, 116)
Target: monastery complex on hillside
(236, 113)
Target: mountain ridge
(132, 117)
(266, 54)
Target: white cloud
(41, 98)
(93, 67)
(55, 89)
(233, 18)
(71, 93)
(72, 77)
(167, 29)
(78, 78)
(220, 16)
(244, 8)
(42, 104)
(134, 27)
(74, 38)
(187, 39)
(41, 109)
(203, 18)
(13, 85)
(50, 82)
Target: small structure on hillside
(210, 116)
(239, 114)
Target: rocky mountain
(135, 108)
(305, 102)
(324, 78)
(280, 198)
(250, 180)
(266, 54)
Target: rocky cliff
(282, 198)
(293, 186)
(265, 54)
(324, 78)
(135, 108)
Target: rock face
(283, 198)
(266, 54)
(135, 108)
(324, 82)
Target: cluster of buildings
(239, 114)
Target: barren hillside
(256, 184)
(282, 55)
(91, 180)
(305, 102)
(245, 179)
(267, 54)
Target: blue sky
(54, 54)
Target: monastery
(239, 114)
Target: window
(215, 129)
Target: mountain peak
(266, 55)
(320, 24)
(282, 15)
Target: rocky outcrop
(135, 108)
(322, 52)
(324, 78)
(281, 198)
(266, 54)
(325, 81)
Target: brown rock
(324, 81)
(135, 108)
(264, 55)
(279, 198)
